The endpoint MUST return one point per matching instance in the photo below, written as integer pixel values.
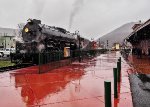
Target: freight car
(39, 38)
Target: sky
(92, 18)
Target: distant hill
(117, 35)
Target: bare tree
(18, 32)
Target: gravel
(140, 87)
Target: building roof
(136, 26)
(142, 25)
(139, 28)
(7, 32)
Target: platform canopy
(141, 32)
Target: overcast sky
(93, 18)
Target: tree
(18, 32)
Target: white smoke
(39, 37)
(23, 51)
(38, 7)
(77, 5)
(40, 47)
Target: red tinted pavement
(75, 85)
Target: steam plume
(77, 5)
(40, 47)
(38, 7)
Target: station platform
(139, 77)
(74, 85)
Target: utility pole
(5, 39)
(99, 43)
(79, 49)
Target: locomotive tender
(40, 38)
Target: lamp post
(107, 44)
(79, 39)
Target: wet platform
(75, 85)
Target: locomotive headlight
(26, 30)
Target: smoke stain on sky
(38, 7)
(93, 18)
(76, 7)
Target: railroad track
(14, 67)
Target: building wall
(7, 42)
(7, 38)
(1, 42)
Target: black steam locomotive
(39, 38)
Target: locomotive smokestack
(77, 5)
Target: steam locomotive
(39, 38)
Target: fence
(55, 59)
(59, 55)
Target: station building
(140, 38)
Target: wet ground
(140, 80)
(75, 85)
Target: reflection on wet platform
(75, 85)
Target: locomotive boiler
(40, 38)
